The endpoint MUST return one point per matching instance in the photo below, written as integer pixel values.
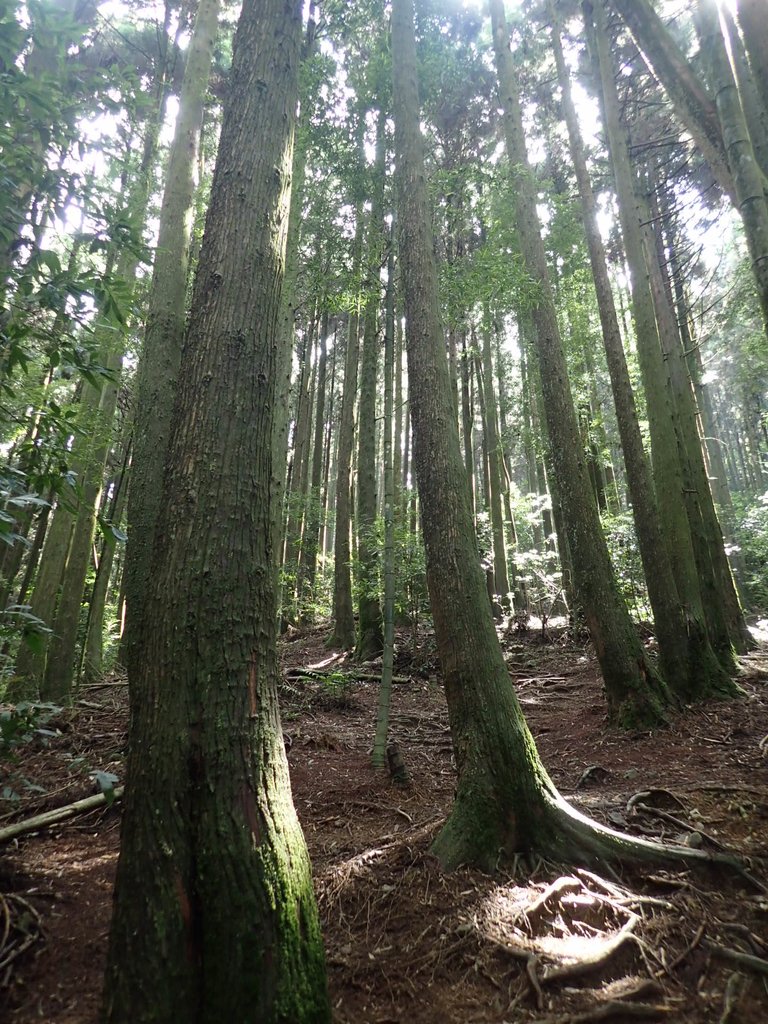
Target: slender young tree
(378, 756)
(215, 918)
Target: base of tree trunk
(559, 833)
(370, 645)
(338, 640)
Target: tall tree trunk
(370, 638)
(495, 469)
(300, 469)
(715, 575)
(308, 558)
(755, 113)
(161, 351)
(679, 649)
(379, 754)
(635, 691)
(690, 99)
(343, 634)
(214, 916)
(754, 25)
(93, 653)
(750, 183)
(707, 641)
(288, 308)
(468, 421)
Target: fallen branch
(686, 952)
(89, 803)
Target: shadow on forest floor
(406, 943)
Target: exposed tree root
(735, 956)
(564, 834)
(595, 960)
(578, 836)
(613, 1008)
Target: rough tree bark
(370, 637)
(215, 917)
(343, 634)
(158, 368)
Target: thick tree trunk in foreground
(636, 693)
(215, 917)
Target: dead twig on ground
(59, 814)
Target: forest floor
(405, 942)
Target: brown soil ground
(405, 942)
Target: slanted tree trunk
(635, 691)
(754, 26)
(749, 181)
(214, 915)
(755, 113)
(708, 641)
(678, 659)
(690, 99)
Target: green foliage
(627, 565)
(752, 537)
(105, 782)
(19, 626)
(23, 722)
